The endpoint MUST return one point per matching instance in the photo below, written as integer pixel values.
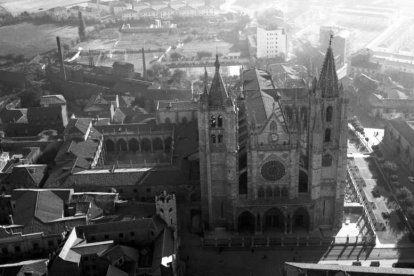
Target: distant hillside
(16, 7)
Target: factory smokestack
(62, 65)
(144, 66)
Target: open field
(16, 7)
(29, 39)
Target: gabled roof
(77, 126)
(44, 205)
(118, 251)
(328, 80)
(13, 115)
(261, 97)
(92, 248)
(52, 99)
(218, 95)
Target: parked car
(411, 179)
(375, 264)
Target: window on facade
(269, 192)
(329, 112)
(328, 135)
(273, 127)
(220, 121)
(213, 139)
(132, 234)
(4, 251)
(260, 192)
(17, 249)
(220, 138)
(285, 192)
(327, 160)
(277, 192)
(213, 121)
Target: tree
(175, 56)
(202, 54)
(29, 99)
(405, 197)
(82, 27)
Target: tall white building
(271, 43)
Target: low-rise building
(399, 138)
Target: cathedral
(273, 159)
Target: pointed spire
(205, 80)
(217, 63)
(218, 93)
(328, 80)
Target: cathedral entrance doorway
(274, 220)
(246, 222)
(301, 220)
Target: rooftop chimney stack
(144, 66)
(62, 66)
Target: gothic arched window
(213, 121)
(260, 192)
(269, 192)
(327, 160)
(288, 113)
(273, 127)
(220, 121)
(213, 138)
(328, 135)
(220, 139)
(329, 112)
(304, 117)
(285, 192)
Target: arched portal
(157, 144)
(145, 145)
(121, 145)
(109, 145)
(301, 220)
(168, 144)
(303, 182)
(246, 222)
(274, 220)
(133, 144)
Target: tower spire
(328, 79)
(205, 80)
(217, 95)
(217, 63)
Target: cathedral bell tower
(328, 144)
(217, 128)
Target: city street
(267, 261)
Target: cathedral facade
(273, 160)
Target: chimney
(62, 66)
(144, 67)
